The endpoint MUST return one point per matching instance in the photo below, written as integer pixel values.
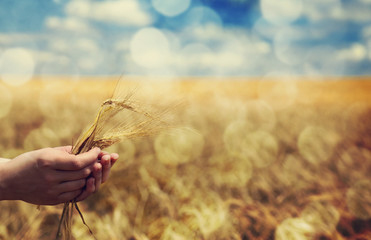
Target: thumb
(87, 158)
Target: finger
(64, 176)
(90, 189)
(106, 167)
(102, 153)
(68, 196)
(89, 157)
(114, 158)
(76, 162)
(97, 174)
(71, 186)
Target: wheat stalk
(98, 135)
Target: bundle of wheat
(107, 129)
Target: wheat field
(246, 158)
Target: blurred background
(269, 103)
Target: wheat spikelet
(136, 123)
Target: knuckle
(43, 162)
(44, 158)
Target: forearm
(5, 191)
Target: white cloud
(366, 32)
(19, 39)
(58, 44)
(88, 63)
(203, 16)
(70, 24)
(122, 44)
(288, 46)
(86, 45)
(365, 1)
(355, 53)
(121, 12)
(317, 10)
(80, 8)
(227, 61)
(356, 11)
(322, 60)
(281, 12)
(171, 8)
(233, 51)
(195, 57)
(70, 53)
(89, 56)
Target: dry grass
(258, 160)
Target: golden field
(244, 158)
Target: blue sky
(185, 37)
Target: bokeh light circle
(61, 94)
(236, 172)
(16, 66)
(261, 148)
(203, 16)
(171, 8)
(317, 144)
(178, 146)
(150, 48)
(260, 115)
(234, 136)
(281, 12)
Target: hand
(51, 176)
(101, 170)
